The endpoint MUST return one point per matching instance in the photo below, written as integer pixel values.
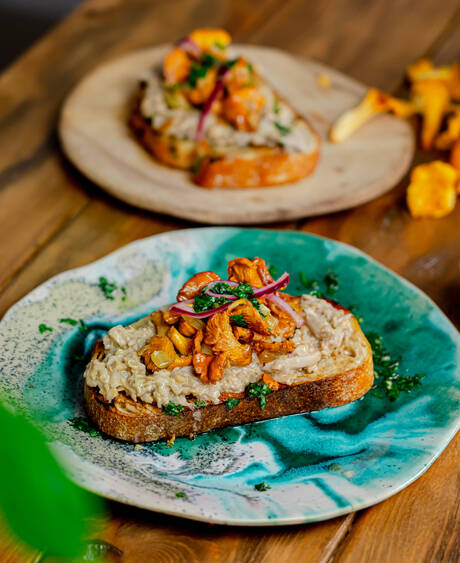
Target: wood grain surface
(52, 218)
(95, 136)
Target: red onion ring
(189, 46)
(271, 287)
(284, 306)
(226, 295)
(218, 88)
(184, 310)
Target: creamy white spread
(324, 344)
(182, 123)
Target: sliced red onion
(218, 88)
(271, 287)
(189, 46)
(283, 305)
(208, 289)
(181, 309)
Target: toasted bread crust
(268, 166)
(135, 421)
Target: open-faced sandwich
(210, 112)
(228, 352)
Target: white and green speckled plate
(319, 465)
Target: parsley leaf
(44, 328)
(276, 106)
(180, 494)
(205, 302)
(107, 287)
(388, 380)
(260, 390)
(84, 425)
(172, 409)
(200, 404)
(282, 129)
(231, 403)
(263, 486)
(332, 282)
(238, 320)
(72, 322)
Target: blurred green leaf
(41, 505)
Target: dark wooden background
(52, 219)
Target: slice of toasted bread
(238, 167)
(135, 421)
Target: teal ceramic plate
(318, 465)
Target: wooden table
(52, 219)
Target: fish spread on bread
(223, 337)
(212, 113)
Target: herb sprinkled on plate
(263, 486)
(44, 328)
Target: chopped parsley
(263, 486)
(282, 129)
(200, 404)
(230, 63)
(231, 403)
(276, 106)
(388, 380)
(107, 287)
(205, 302)
(238, 320)
(180, 494)
(273, 271)
(200, 69)
(72, 322)
(260, 390)
(219, 45)
(332, 282)
(84, 425)
(172, 409)
(312, 286)
(83, 326)
(44, 328)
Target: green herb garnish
(77, 358)
(72, 322)
(172, 409)
(180, 494)
(332, 282)
(282, 129)
(263, 486)
(238, 320)
(276, 106)
(200, 404)
(312, 286)
(200, 69)
(205, 302)
(44, 328)
(230, 63)
(219, 45)
(273, 271)
(107, 287)
(388, 380)
(231, 403)
(260, 390)
(83, 326)
(84, 425)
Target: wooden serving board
(96, 138)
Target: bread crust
(135, 421)
(268, 166)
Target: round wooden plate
(96, 138)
